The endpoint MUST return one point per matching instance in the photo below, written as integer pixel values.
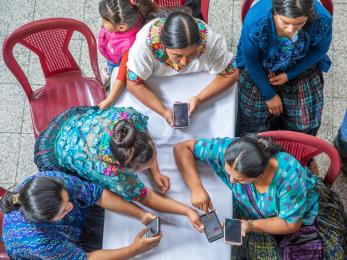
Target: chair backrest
(246, 5)
(304, 147)
(3, 254)
(49, 39)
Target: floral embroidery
(157, 48)
(132, 76)
(230, 68)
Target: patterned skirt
(331, 222)
(302, 100)
(44, 151)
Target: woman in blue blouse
(107, 147)
(281, 55)
(286, 194)
(47, 219)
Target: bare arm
(184, 156)
(274, 226)
(116, 90)
(143, 93)
(166, 204)
(115, 203)
(217, 85)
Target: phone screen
(181, 118)
(153, 227)
(213, 228)
(232, 230)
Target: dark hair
(180, 31)
(122, 11)
(129, 146)
(295, 8)
(39, 199)
(250, 155)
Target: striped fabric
(302, 100)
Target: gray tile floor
(16, 134)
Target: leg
(253, 116)
(331, 221)
(303, 102)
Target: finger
(205, 207)
(142, 232)
(281, 108)
(199, 225)
(155, 238)
(210, 205)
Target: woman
(282, 195)
(175, 45)
(106, 147)
(51, 217)
(281, 55)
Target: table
(215, 118)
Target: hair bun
(124, 134)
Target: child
(121, 20)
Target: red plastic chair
(246, 5)
(3, 254)
(304, 147)
(65, 85)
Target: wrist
(133, 249)
(250, 225)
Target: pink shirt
(112, 45)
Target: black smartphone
(153, 228)
(232, 231)
(213, 228)
(181, 115)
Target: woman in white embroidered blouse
(178, 44)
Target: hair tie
(264, 142)
(15, 199)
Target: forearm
(146, 96)
(217, 85)
(155, 169)
(164, 204)
(115, 203)
(113, 254)
(274, 226)
(116, 89)
(185, 161)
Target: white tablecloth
(215, 118)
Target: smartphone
(232, 231)
(213, 228)
(181, 115)
(153, 228)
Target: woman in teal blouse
(287, 195)
(107, 147)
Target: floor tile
(9, 151)
(26, 165)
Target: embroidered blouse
(290, 196)
(147, 57)
(56, 239)
(83, 146)
(260, 50)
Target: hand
(167, 114)
(142, 244)
(195, 220)
(105, 103)
(193, 104)
(275, 105)
(147, 217)
(201, 200)
(278, 80)
(162, 181)
(246, 227)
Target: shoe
(342, 156)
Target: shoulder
(321, 27)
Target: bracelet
(250, 221)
